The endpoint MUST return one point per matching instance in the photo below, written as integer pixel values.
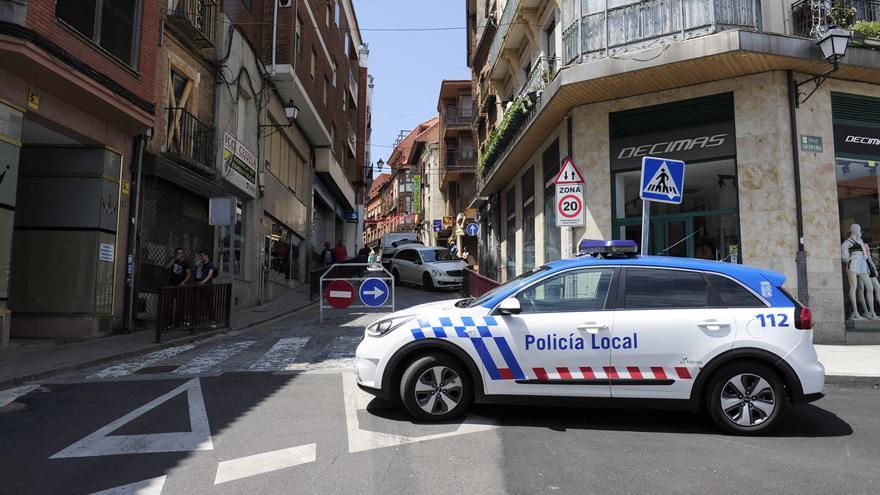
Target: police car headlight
(382, 327)
(438, 273)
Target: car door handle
(713, 324)
(592, 327)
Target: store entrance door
(673, 237)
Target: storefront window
(511, 233)
(528, 191)
(857, 195)
(705, 225)
(552, 233)
(282, 252)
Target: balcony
(606, 32)
(353, 81)
(504, 24)
(197, 18)
(351, 140)
(863, 11)
(458, 117)
(541, 73)
(189, 140)
(457, 163)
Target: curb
(205, 335)
(852, 380)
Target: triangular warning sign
(568, 174)
(102, 442)
(662, 183)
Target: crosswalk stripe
(213, 357)
(129, 367)
(282, 355)
(340, 352)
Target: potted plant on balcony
(866, 33)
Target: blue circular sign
(473, 229)
(374, 292)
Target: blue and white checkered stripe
(444, 328)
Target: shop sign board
(417, 193)
(857, 140)
(240, 165)
(688, 144)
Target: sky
(408, 66)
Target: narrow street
(276, 410)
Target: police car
(606, 328)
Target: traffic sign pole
(646, 226)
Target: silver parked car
(430, 267)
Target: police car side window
(650, 288)
(575, 291)
(732, 294)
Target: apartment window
(312, 64)
(111, 24)
(327, 15)
(346, 45)
(528, 219)
(326, 89)
(345, 101)
(511, 233)
(298, 38)
(338, 12)
(333, 74)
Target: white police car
(610, 329)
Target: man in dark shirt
(180, 269)
(205, 270)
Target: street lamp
(380, 164)
(833, 45)
(290, 111)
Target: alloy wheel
(438, 390)
(747, 400)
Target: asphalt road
(240, 418)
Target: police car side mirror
(509, 306)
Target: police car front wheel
(747, 399)
(435, 388)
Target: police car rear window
(732, 294)
(652, 288)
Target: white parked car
(430, 267)
(393, 241)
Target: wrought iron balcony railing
(802, 15)
(197, 17)
(504, 23)
(460, 161)
(458, 115)
(541, 73)
(189, 138)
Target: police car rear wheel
(747, 399)
(435, 388)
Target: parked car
(430, 267)
(392, 241)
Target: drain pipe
(274, 32)
(133, 228)
(800, 255)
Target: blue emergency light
(607, 249)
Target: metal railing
(541, 73)
(192, 307)
(503, 28)
(189, 137)
(802, 16)
(458, 160)
(199, 14)
(453, 115)
(475, 285)
(638, 25)
(508, 138)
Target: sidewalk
(33, 360)
(850, 363)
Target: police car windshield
(514, 282)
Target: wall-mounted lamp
(291, 111)
(833, 45)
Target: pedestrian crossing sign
(662, 180)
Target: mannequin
(855, 253)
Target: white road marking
(152, 486)
(252, 465)
(101, 443)
(9, 396)
(212, 358)
(282, 355)
(340, 353)
(129, 367)
(360, 440)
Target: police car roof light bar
(607, 249)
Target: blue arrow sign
(472, 229)
(662, 180)
(438, 226)
(374, 292)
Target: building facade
(458, 162)
(776, 172)
(77, 94)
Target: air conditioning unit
(284, 3)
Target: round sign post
(339, 294)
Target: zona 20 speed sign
(569, 205)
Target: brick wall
(139, 80)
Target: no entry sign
(569, 196)
(339, 294)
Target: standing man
(205, 270)
(180, 269)
(327, 254)
(341, 253)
